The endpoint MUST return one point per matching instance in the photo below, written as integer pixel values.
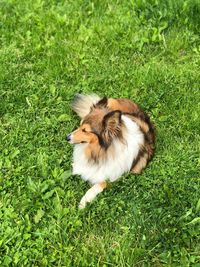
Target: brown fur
(124, 105)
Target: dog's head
(101, 126)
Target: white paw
(82, 203)
(90, 195)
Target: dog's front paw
(82, 203)
(90, 195)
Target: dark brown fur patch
(102, 103)
(112, 126)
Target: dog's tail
(82, 104)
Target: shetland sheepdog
(115, 136)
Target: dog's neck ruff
(117, 163)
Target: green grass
(148, 51)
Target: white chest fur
(114, 166)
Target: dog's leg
(92, 193)
(140, 165)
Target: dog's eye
(83, 130)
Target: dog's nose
(68, 138)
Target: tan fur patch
(141, 164)
(103, 185)
(93, 151)
(123, 105)
(84, 134)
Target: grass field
(148, 51)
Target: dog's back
(133, 111)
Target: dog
(115, 136)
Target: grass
(148, 51)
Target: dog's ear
(102, 103)
(112, 120)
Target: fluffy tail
(83, 103)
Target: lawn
(148, 51)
